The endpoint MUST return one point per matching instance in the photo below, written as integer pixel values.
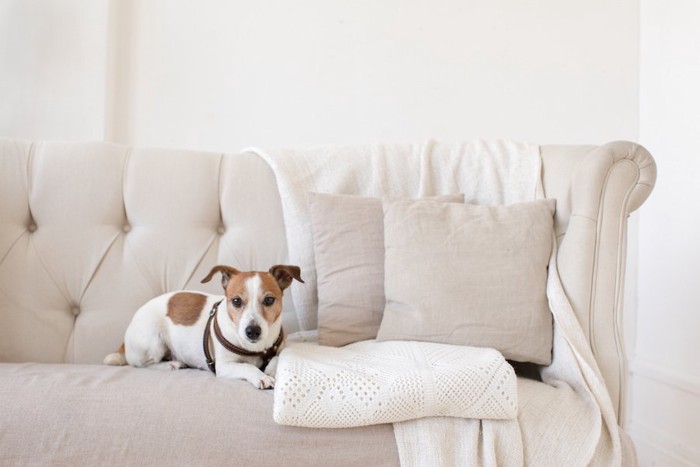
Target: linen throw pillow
(469, 275)
(348, 238)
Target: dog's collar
(266, 354)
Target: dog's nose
(253, 332)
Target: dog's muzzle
(253, 331)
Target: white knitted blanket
(373, 382)
(568, 419)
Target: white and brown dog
(173, 330)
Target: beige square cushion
(348, 237)
(469, 275)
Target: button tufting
(32, 227)
(75, 310)
(126, 228)
(221, 230)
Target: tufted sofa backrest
(91, 231)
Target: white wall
(225, 75)
(222, 74)
(666, 371)
(52, 68)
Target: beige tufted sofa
(90, 231)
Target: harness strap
(266, 354)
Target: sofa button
(75, 311)
(221, 230)
(32, 227)
(126, 228)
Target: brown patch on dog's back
(185, 307)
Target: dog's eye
(268, 301)
(236, 302)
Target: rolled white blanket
(373, 382)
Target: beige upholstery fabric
(84, 415)
(348, 240)
(469, 275)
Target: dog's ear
(285, 274)
(226, 273)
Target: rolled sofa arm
(611, 181)
(603, 166)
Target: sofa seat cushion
(101, 415)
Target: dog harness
(266, 354)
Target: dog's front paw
(245, 371)
(168, 365)
(265, 382)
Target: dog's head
(254, 300)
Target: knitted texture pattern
(373, 382)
